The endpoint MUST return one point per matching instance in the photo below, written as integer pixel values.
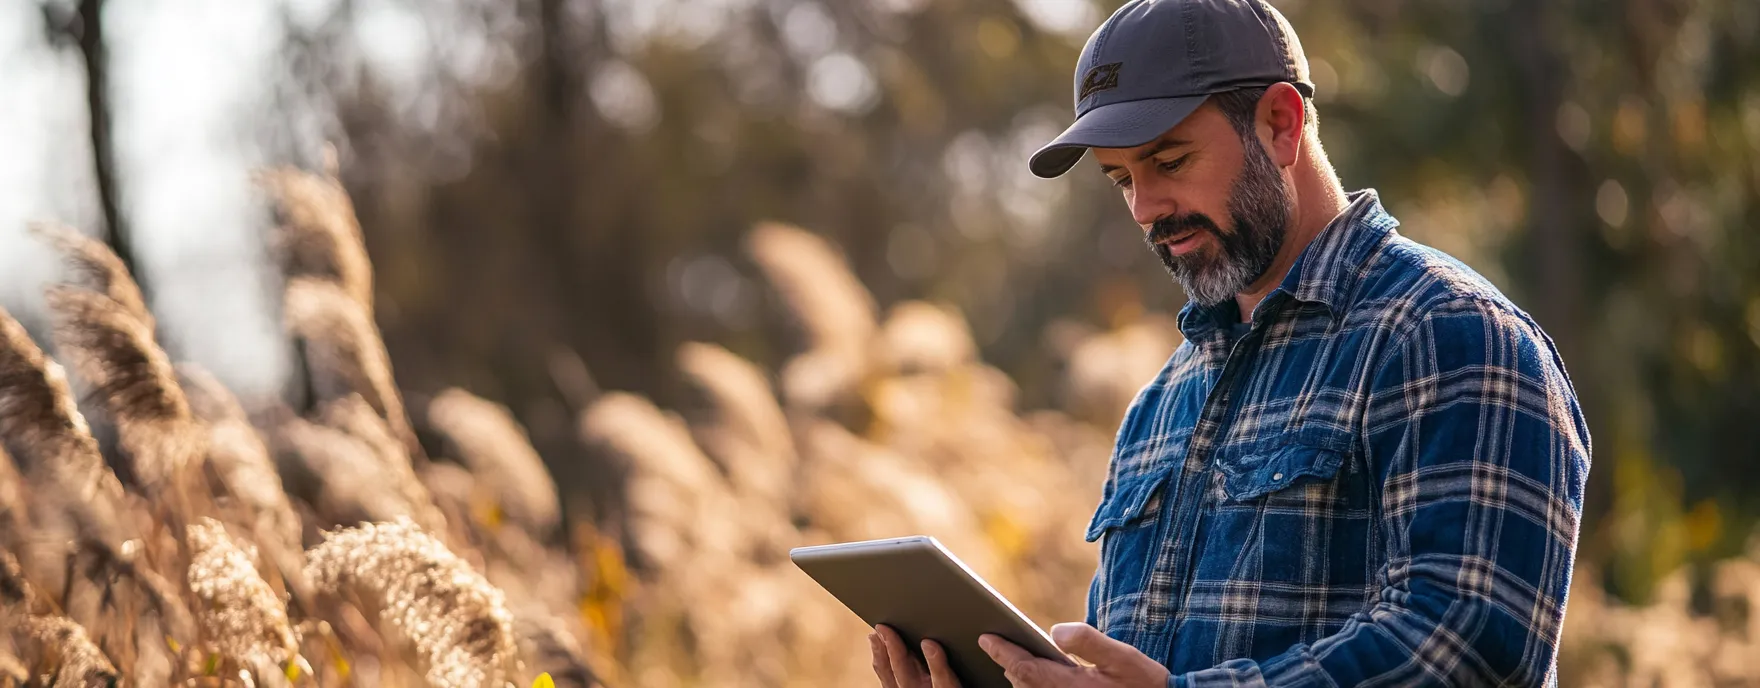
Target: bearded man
(1364, 465)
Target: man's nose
(1149, 205)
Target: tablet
(921, 590)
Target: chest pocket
(1289, 467)
(1128, 524)
(1130, 501)
(1293, 516)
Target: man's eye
(1174, 164)
(1122, 182)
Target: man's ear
(1282, 117)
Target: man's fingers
(1004, 653)
(1089, 643)
(940, 674)
(882, 665)
(906, 669)
(1022, 668)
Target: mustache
(1170, 227)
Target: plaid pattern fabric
(1379, 483)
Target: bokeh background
(556, 195)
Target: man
(1363, 466)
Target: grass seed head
(319, 234)
(238, 454)
(12, 671)
(344, 353)
(132, 379)
(814, 280)
(832, 308)
(922, 337)
(744, 428)
(43, 431)
(96, 267)
(351, 479)
(239, 614)
(38, 412)
(64, 645)
(352, 415)
(457, 623)
(499, 453)
(16, 593)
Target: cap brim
(1118, 125)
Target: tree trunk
(92, 50)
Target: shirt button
(1276, 476)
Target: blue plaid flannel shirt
(1379, 483)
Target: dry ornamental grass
(207, 561)
(240, 616)
(449, 615)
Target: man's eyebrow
(1157, 147)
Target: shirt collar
(1325, 272)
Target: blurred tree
(82, 26)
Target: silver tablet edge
(813, 551)
(1003, 599)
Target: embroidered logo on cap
(1099, 79)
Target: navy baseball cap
(1155, 61)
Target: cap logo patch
(1099, 79)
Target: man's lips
(1181, 243)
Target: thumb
(1089, 643)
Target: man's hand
(1115, 664)
(898, 668)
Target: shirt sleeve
(1481, 453)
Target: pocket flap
(1128, 501)
(1282, 467)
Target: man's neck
(1318, 198)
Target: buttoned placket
(1196, 476)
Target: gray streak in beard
(1259, 207)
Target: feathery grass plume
(319, 235)
(16, 595)
(238, 454)
(1105, 370)
(344, 477)
(163, 597)
(679, 505)
(133, 380)
(96, 267)
(352, 415)
(153, 660)
(744, 428)
(448, 613)
(859, 490)
(500, 455)
(14, 511)
(922, 337)
(63, 647)
(240, 615)
(344, 353)
(553, 650)
(457, 494)
(42, 429)
(831, 306)
(12, 672)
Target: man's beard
(1259, 205)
